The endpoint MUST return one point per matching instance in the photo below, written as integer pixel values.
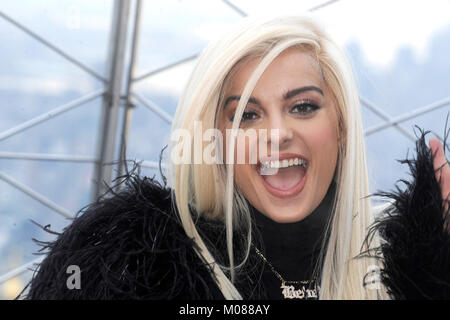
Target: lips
(284, 176)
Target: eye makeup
(304, 107)
(248, 115)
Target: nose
(280, 131)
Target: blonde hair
(201, 187)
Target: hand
(442, 170)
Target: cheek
(323, 142)
(324, 139)
(245, 157)
(243, 179)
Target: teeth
(283, 164)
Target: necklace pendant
(290, 292)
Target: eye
(246, 116)
(305, 108)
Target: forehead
(293, 67)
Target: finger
(441, 167)
(439, 159)
(442, 171)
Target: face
(290, 96)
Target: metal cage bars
(51, 46)
(51, 114)
(112, 100)
(110, 107)
(19, 270)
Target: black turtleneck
(292, 248)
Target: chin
(286, 214)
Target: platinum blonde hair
(201, 187)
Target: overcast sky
(380, 27)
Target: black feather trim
(415, 247)
(130, 244)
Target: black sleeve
(127, 245)
(415, 247)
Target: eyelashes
(247, 116)
(304, 109)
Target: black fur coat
(131, 245)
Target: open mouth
(284, 177)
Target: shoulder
(129, 244)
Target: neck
(293, 248)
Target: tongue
(286, 178)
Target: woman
(239, 221)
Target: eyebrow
(237, 98)
(294, 92)
(288, 95)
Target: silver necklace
(288, 287)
